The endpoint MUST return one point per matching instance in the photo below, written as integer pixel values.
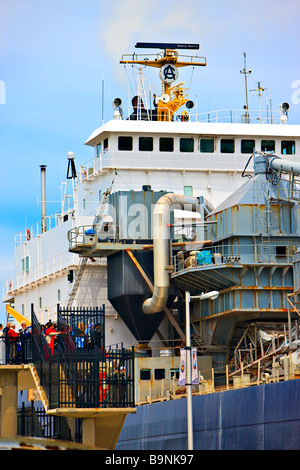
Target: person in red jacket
(51, 334)
(12, 337)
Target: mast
(168, 61)
(246, 72)
(259, 90)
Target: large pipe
(161, 239)
(44, 210)
(284, 165)
(262, 162)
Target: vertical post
(227, 377)
(188, 381)
(44, 210)
(289, 323)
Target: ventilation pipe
(161, 238)
(263, 163)
(279, 164)
(44, 211)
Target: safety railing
(39, 271)
(263, 251)
(79, 373)
(15, 350)
(157, 160)
(36, 229)
(86, 236)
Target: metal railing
(86, 236)
(15, 350)
(196, 161)
(82, 327)
(36, 229)
(39, 271)
(34, 421)
(82, 374)
(263, 251)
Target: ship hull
(263, 417)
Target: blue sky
(54, 54)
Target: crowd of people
(13, 342)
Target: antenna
(246, 72)
(259, 90)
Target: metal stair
(84, 260)
(39, 387)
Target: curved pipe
(161, 237)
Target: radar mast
(168, 61)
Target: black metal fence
(82, 374)
(15, 350)
(78, 371)
(85, 327)
(96, 379)
(35, 422)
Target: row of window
(207, 145)
(159, 374)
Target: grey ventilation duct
(161, 237)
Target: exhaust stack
(44, 210)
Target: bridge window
(207, 145)
(166, 144)
(186, 144)
(125, 143)
(247, 146)
(268, 145)
(146, 144)
(227, 145)
(288, 147)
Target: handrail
(261, 252)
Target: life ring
(28, 234)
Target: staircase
(39, 387)
(83, 261)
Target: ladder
(84, 260)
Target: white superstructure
(197, 155)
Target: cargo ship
(178, 211)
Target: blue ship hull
(264, 417)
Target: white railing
(38, 272)
(35, 230)
(234, 116)
(237, 116)
(154, 160)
